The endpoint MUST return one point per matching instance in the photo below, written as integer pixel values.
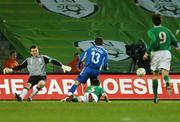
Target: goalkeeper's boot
(90, 98)
(156, 100)
(29, 99)
(168, 88)
(18, 98)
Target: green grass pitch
(116, 111)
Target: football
(140, 72)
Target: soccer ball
(140, 72)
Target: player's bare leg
(23, 93)
(165, 75)
(40, 85)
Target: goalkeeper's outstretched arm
(57, 63)
(19, 67)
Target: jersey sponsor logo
(116, 49)
(169, 8)
(71, 8)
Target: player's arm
(106, 62)
(82, 58)
(174, 41)
(19, 67)
(153, 44)
(56, 62)
(52, 60)
(178, 49)
(105, 96)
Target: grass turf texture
(116, 111)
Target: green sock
(155, 87)
(75, 99)
(166, 78)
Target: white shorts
(160, 60)
(85, 97)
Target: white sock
(23, 93)
(36, 90)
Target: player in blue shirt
(95, 58)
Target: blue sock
(73, 88)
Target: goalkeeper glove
(7, 70)
(66, 68)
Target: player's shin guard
(155, 88)
(24, 92)
(35, 91)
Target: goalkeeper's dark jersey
(161, 39)
(37, 65)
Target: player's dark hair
(12, 52)
(99, 41)
(95, 82)
(156, 19)
(33, 47)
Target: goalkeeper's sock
(166, 78)
(35, 91)
(24, 92)
(155, 88)
(73, 89)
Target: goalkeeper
(36, 67)
(93, 94)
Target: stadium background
(26, 22)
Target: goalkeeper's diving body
(36, 65)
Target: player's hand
(145, 57)
(106, 68)
(178, 49)
(66, 68)
(64, 100)
(7, 70)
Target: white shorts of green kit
(85, 97)
(160, 60)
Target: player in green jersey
(93, 93)
(159, 50)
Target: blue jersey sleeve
(82, 58)
(106, 62)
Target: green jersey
(98, 91)
(161, 39)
